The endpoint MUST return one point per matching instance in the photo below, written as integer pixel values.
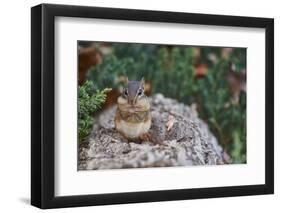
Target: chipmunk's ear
(126, 80)
(142, 81)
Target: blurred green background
(211, 79)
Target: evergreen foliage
(90, 100)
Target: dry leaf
(170, 122)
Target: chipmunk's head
(133, 91)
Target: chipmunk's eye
(125, 92)
(140, 92)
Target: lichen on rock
(188, 142)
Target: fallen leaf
(170, 122)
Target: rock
(189, 142)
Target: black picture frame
(43, 102)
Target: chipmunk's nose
(131, 101)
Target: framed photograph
(139, 106)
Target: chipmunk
(133, 118)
